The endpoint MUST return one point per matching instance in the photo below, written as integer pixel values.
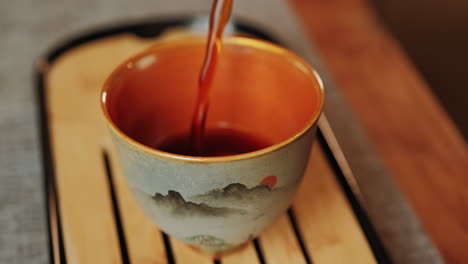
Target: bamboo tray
(92, 215)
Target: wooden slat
(87, 218)
(327, 223)
(416, 138)
(279, 243)
(78, 134)
(144, 239)
(83, 189)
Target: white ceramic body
(214, 206)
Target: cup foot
(216, 254)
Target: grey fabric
(30, 27)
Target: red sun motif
(270, 181)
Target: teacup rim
(245, 41)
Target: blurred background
(434, 34)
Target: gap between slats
(169, 252)
(116, 210)
(297, 233)
(259, 251)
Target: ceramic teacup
(214, 203)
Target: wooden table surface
(419, 143)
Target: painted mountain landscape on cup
(218, 219)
